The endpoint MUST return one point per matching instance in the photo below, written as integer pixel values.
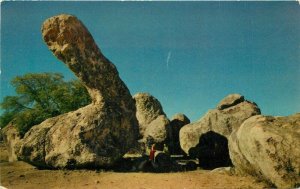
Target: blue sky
(189, 55)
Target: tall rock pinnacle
(97, 134)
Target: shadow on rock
(212, 151)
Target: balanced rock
(98, 134)
(268, 147)
(230, 100)
(148, 108)
(220, 122)
(176, 123)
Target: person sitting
(158, 160)
(152, 153)
(162, 161)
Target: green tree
(41, 96)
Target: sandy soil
(22, 175)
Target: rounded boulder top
(230, 100)
(181, 117)
(148, 108)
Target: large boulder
(223, 120)
(176, 123)
(268, 147)
(157, 131)
(98, 134)
(33, 145)
(148, 108)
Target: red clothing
(152, 153)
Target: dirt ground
(22, 175)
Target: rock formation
(230, 100)
(180, 119)
(177, 122)
(11, 138)
(98, 134)
(157, 129)
(232, 111)
(268, 147)
(148, 108)
(153, 122)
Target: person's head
(149, 141)
(159, 146)
(153, 147)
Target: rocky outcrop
(98, 134)
(153, 123)
(268, 147)
(176, 123)
(148, 108)
(222, 121)
(11, 138)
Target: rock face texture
(153, 122)
(181, 119)
(221, 121)
(148, 108)
(11, 137)
(95, 135)
(158, 129)
(230, 100)
(268, 147)
(177, 122)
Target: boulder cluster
(99, 134)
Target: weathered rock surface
(11, 137)
(230, 100)
(148, 108)
(33, 145)
(221, 122)
(177, 122)
(158, 129)
(180, 120)
(98, 134)
(268, 147)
